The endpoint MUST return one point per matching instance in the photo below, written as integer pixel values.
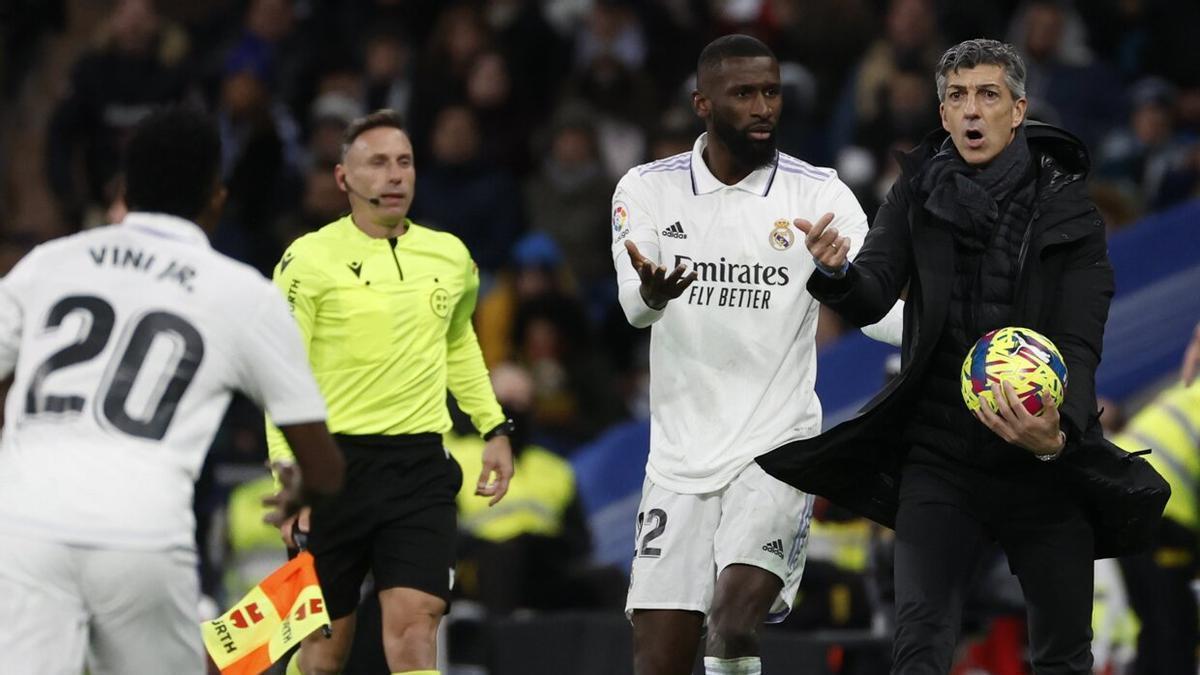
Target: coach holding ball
(989, 225)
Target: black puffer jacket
(1064, 286)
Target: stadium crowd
(523, 115)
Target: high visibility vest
(538, 495)
(1170, 426)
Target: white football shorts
(684, 541)
(119, 611)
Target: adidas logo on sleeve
(674, 230)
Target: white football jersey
(733, 359)
(125, 344)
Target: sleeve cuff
(831, 273)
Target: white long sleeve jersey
(733, 359)
(125, 344)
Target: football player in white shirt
(125, 344)
(707, 252)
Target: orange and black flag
(274, 617)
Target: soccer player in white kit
(125, 344)
(707, 253)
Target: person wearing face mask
(385, 306)
(707, 252)
(988, 225)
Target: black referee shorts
(396, 516)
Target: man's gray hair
(972, 53)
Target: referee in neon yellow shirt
(384, 306)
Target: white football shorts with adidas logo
(684, 541)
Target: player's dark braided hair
(173, 162)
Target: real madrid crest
(782, 236)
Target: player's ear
(339, 177)
(701, 105)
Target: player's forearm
(637, 311)
(322, 466)
(889, 329)
(278, 450)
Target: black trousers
(1159, 584)
(947, 519)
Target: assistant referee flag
(274, 617)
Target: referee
(385, 307)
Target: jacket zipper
(392, 242)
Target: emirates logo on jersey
(782, 236)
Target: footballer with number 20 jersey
(131, 340)
(733, 361)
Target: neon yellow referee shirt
(387, 325)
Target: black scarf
(970, 198)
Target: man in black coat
(989, 225)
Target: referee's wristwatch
(505, 428)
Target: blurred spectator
(1144, 37)
(323, 203)
(1065, 85)
(675, 133)
(388, 71)
(569, 200)
(623, 101)
(677, 31)
(505, 122)
(461, 193)
(533, 553)
(1159, 581)
(261, 162)
(827, 36)
(911, 42)
(268, 43)
(575, 394)
(531, 48)
(612, 30)
(536, 268)
(1149, 157)
(610, 52)
(23, 24)
(329, 116)
(135, 65)
(907, 110)
(459, 37)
